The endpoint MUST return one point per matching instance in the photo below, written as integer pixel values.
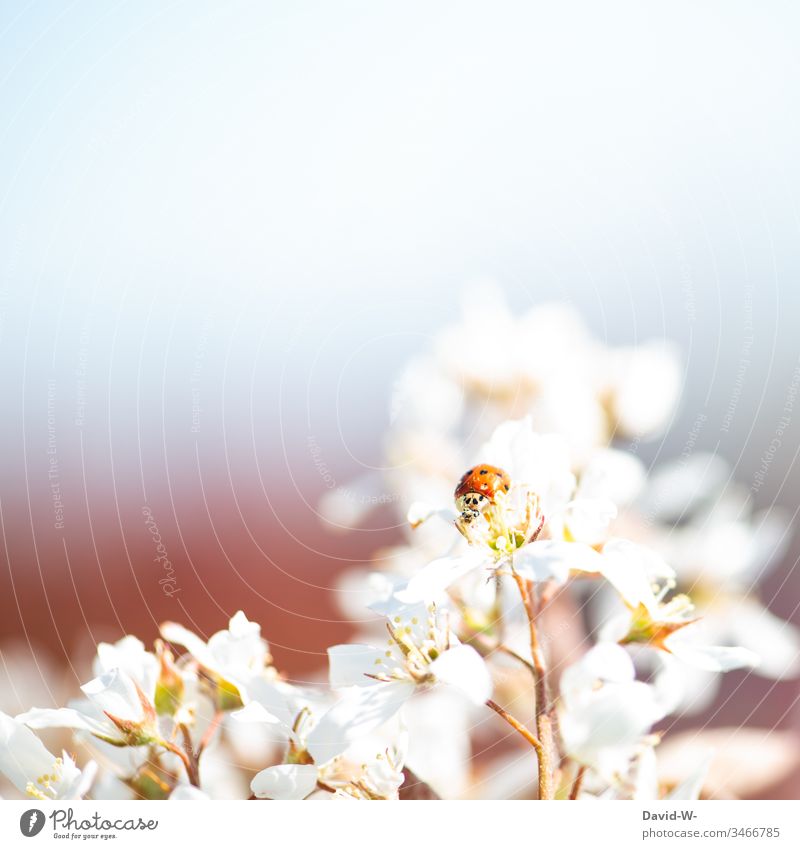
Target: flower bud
(170, 686)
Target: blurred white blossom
(33, 770)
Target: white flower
(671, 629)
(542, 484)
(377, 776)
(33, 770)
(232, 657)
(542, 500)
(604, 712)
(319, 738)
(116, 710)
(421, 651)
(632, 570)
(540, 462)
(692, 785)
(612, 475)
(750, 624)
(285, 781)
(546, 365)
(643, 388)
(130, 656)
(687, 646)
(721, 552)
(430, 583)
(555, 560)
(317, 732)
(646, 786)
(439, 723)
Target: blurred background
(224, 228)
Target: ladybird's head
(472, 503)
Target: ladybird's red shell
(484, 479)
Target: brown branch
(576, 787)
(544, 723)
(517, 726)
(188, 762)
(209, 733)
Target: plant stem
(188, 761)
(544, 722)
(576, 787)
(209, 733)
(517, 726)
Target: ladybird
(478, 488)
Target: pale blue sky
(319, 176)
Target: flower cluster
(554, 611)
(666, 562)
(456, 625)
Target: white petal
(776, 642)
(255, 712)
(540, 462)
(631, 569)
(553, 559)
(615, 628)
(240, 626)
(613, 475)
(684, 688)
(172, 632)
(463, 668)
(604, 729)
(239, 651)
(645, 386)
(360, 711)
(645, 776)
(771, 532)
(286, 781)
(24, 759)
(689, 789)
(274, 698)
(430, 583)
(711, 658)
(23, 756)
(75, 782)
(129, 655)
(604, 662)
(587, 519)
(420, 512)
(348, 665)
(439, 722)
(235, 654)
(356, 590)
(115, 693)
(64, 718)
(678, 488)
